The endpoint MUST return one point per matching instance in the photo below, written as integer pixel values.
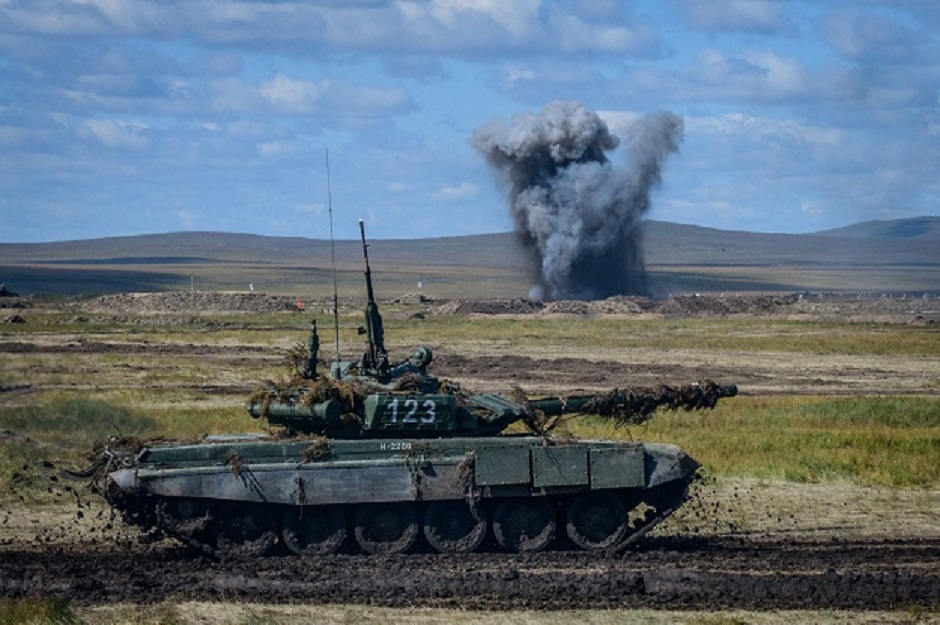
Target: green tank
(381, 457)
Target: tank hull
(522, 492)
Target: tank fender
(125, 479)
(310, 484)
(666, 463)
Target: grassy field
(167, 377)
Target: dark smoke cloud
(577, 213)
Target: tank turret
(428, 408)
(374, 456)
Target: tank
(382, 457)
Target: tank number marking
(394, 446)
(411, 412)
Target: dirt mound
(709, 305)
(915, 310)
(188, 302)
(611, 306)
(682, 305)
(517, 306)
(413, 298)
(919, 310)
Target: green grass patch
(884, 441)
(38, 440)
(78, 422)
(37, 611)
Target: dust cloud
(576, 212)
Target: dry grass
(259, 614)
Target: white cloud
(759, 75)
(118, 134)
(276, 149)
(295, 97)
(463, 28)
(515, 17)
(123, 15)
(751, 16)
(513, 75)
(879, 37)
(759, 129)
(451, 193)
(792, 107)
(574, 34)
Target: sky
(124, 117)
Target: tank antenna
(329, 206)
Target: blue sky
(122, 117)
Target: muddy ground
(738, 544)
(787, 567)
(677, 573)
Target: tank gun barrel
(632, 407)
(401, 412)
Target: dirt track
(664, 573)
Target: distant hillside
(898, 255)
(194, 248)
(914, 228)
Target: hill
(917, 228)
(897, 255)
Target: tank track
(154, 516)
(665, 504)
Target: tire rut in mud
(663, 572)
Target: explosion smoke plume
(575, 212)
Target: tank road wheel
(243, 530)
(454, 526)
(596, 521)
(385, 527)
(524, 525)
(314, 531)
(186, 519)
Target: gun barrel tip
(360, 222)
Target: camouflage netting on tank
(622, 406)
(318, 451)
(106, 454)
(635, 407)
(350, 393)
